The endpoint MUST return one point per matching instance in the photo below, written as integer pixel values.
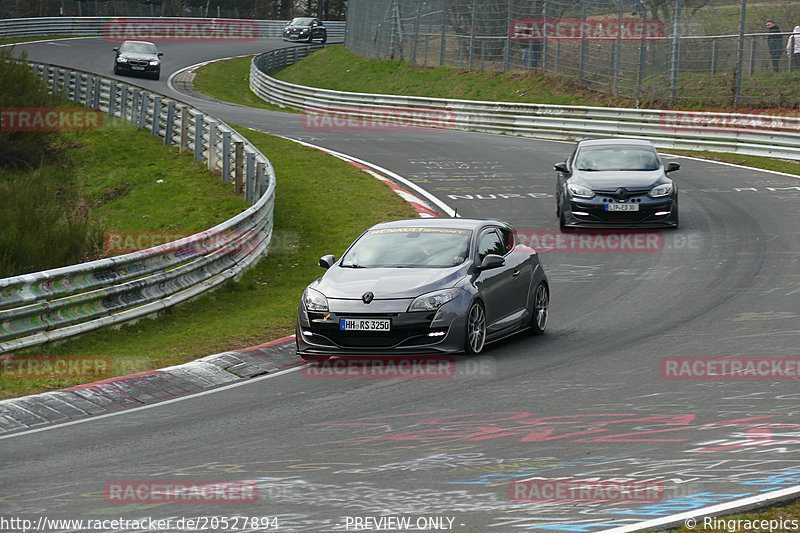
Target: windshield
(617, 158)
(301, 22)
(138, 48)
(409, 248)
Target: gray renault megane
(424, 286)
(616, 182)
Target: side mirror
(116, 49)
(327, 261)
(561, 167)
(160, 54)
(672, 166)
(492, 261)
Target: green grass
(14, 40)
(786, 512)
(338, 69)
(322, 204)
(223, 80)
(132, 182)
(766, 163)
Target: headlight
(121, 60)
(315, 301)
(660, 191)
(304, 30)
(155, 62)
(580, 191)
(433, 300)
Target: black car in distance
(424, 286)
(616, 182)
(305, 29)
(138, 57)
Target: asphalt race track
(590, 399)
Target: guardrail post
(112, 98)
(226, 156)
(261, 169)
(212, 146)
(78, 86)
(156, 127)
(237, 167)
(96, 100)
(135, 106)
(169, 128)
(198, 136)
(123, 102)
(87, 102)
(250, 178)
(184, 140)
(143, 107)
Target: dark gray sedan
(616, 182)
(424, 286)
(305, 29)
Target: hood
(611, 180)
(385, 283)
(138, 56)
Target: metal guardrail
(54, 304)
(99, 26)
(760, 135)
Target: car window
(409, 247)
(490, 243)
(507, 235)
(138, 48)
(617, 158)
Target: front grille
(408, 329)
(138, 63)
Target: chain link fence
(660, 52)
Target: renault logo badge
(622, 194)
(367, 297)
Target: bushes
(43, 220)
(20, 87)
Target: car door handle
(516, 273)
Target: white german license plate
(365, 324)
(622, 207)
(137, 68)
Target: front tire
(541, 309)
(476, 329)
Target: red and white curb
(135, 390)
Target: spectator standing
(774, 43)
(793, 49)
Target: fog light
(307, 333)
(581, 213)
(435, 333)
(662, 213)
